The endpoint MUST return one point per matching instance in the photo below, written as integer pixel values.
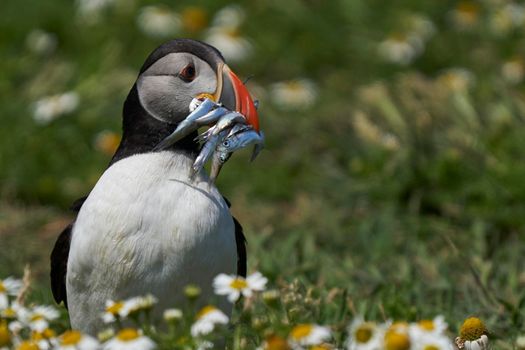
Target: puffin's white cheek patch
(162, 97)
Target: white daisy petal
(309, 335)
(207, 318)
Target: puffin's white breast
(147, 228)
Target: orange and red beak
(233, 95)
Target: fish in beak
(231, 95)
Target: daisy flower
(137, 304)
(45, 339)
(37, 318)
(225, 34)
(294, 94)
(93, 8)
(172, 315)
(158, 21)
(275, 342)
(365, 335)
(207, 318)
(456, 79)
(114, 310)
(466, 15)
(49, 108)
(513, 71)
(234, 286)
(27, 345)
(5, 335)
(194, 18)
(433, 342)
(74, 340)
(41, 42)
(8, 286)
(473, 334)
(425, 328)
(308, 335)
(129, 339)
(397, 338)
(399, 49)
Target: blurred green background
(394, 168)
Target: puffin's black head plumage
(140, 131)
(198, 48)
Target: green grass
(399, 193)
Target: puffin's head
(182, 69)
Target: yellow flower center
(5, 337)
(275, 342)
(36, 317)
(233, 33)
(71, 337)
(239, 284)
(27, 345)
(301, 331)
(128, 334)
(430, 347)
(205, 310)
(427, 325)
(396, 341)
(9, 313)
(115, 308)
(46, 334)
(472, 329)
(194, 18)
(364, 333)
(468, 8)
(3, 289)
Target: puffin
(150, 226)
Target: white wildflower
(92, 8)
(8, 287)
(226, 36)
(38, 317)
(513, 71)
(75, 340)
(207, 318)
(114, 310)
(457, 79)
(52, 107)
(466, 15)
(235, 286)
(172, 314)
(425, 328)
(159, 21)
(365, 335)
(129, 339)
(308, 335)
(432, 341)
(294, 94)
(136, 304)
(41, 42)
(400, 49)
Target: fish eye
(188, 73)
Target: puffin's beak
(233, 95)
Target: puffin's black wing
(240, 240)
(59, 257)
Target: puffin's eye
(187, 73)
